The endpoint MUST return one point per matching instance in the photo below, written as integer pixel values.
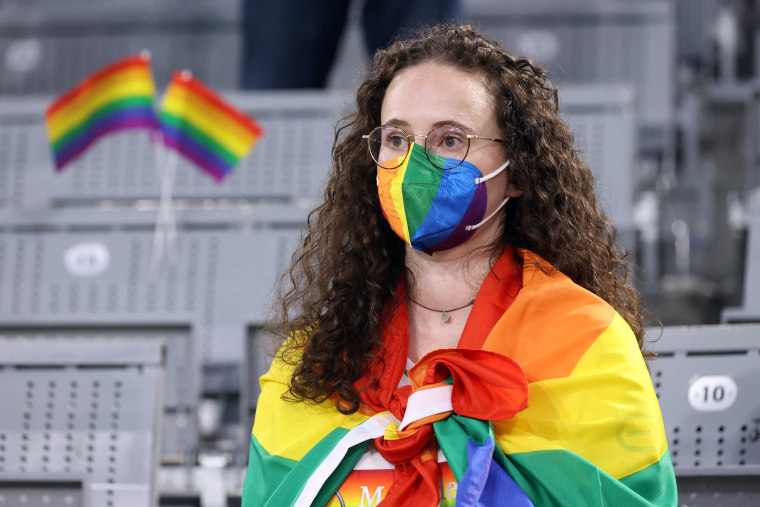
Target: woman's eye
(450, 141)
(396, 141)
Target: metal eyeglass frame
(411, 137)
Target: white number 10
(712, 393)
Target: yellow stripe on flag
(135, 82)
(606, 411)
(212, 121)
(290, 430)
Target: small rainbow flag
(198, 123)
(116, 97)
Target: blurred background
(663, 97)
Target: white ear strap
(489, 217)
(493, 174)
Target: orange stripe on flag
(104, 73)
(130, 83)
(202, 91)
(574, 312)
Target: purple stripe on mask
(474, 214)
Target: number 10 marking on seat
(712, 393)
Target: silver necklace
(444, 313)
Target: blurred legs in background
(293, 43)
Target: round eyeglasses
(446, 146)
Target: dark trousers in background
(293, 43)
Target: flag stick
(171, 222)
(159, 237)
(165, 234)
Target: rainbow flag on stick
(116, 97)
(198, 123)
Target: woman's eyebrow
(396, 123)
(453, 123)
(403, 124)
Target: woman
(460, 322)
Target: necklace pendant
(445, 316)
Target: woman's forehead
(429, 93)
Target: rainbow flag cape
(198, 123)
(116, 97)
(586, 431)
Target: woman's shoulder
(551, 294)
(553, 322)
(289, 428)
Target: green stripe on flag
(199, 136)
(340, 474)
(656, 482)
(265, 471)
(288, 478)
(560, 477)
(119, 105)
(453, 433)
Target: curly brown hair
(342, 281)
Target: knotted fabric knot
(401, 443)
(483, 385)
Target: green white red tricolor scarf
(545, 401)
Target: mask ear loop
(494, 174)
(489, 217)
(504, 202)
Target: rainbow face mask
(434, 209)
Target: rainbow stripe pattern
(207, 130)
(431, 219)
(591, 433)
(116, 97)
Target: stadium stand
(750, 309)
(592, 42)
(79, 420)
(706, 379)
(47, 46)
